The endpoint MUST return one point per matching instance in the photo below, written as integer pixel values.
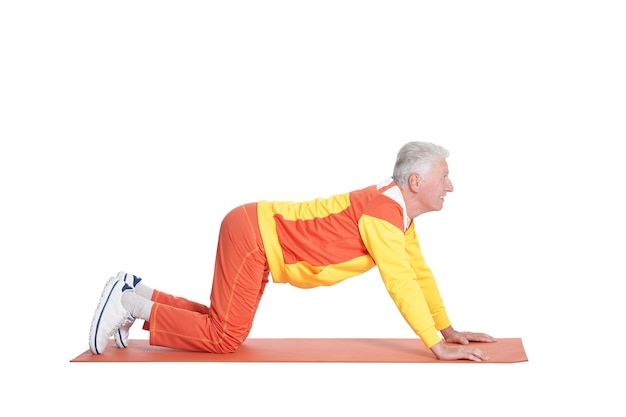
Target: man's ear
(414, 182)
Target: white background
(129, 129)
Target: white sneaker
(129, 279)
(110, 315)
(121, 334)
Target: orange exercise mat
(506, 350)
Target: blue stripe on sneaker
(119, 334)
(135, 279)
(100, 317)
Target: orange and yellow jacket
(327, 240)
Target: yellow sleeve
(426, 280)
(387, 244)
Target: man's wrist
(447, 332)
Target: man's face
(434, 187)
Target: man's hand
(453, 336)
(447, 353)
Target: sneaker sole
(95, 323)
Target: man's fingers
(480, 355)
(480, 337)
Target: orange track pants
(241, 273)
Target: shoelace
(127, 319)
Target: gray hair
(417, 157)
